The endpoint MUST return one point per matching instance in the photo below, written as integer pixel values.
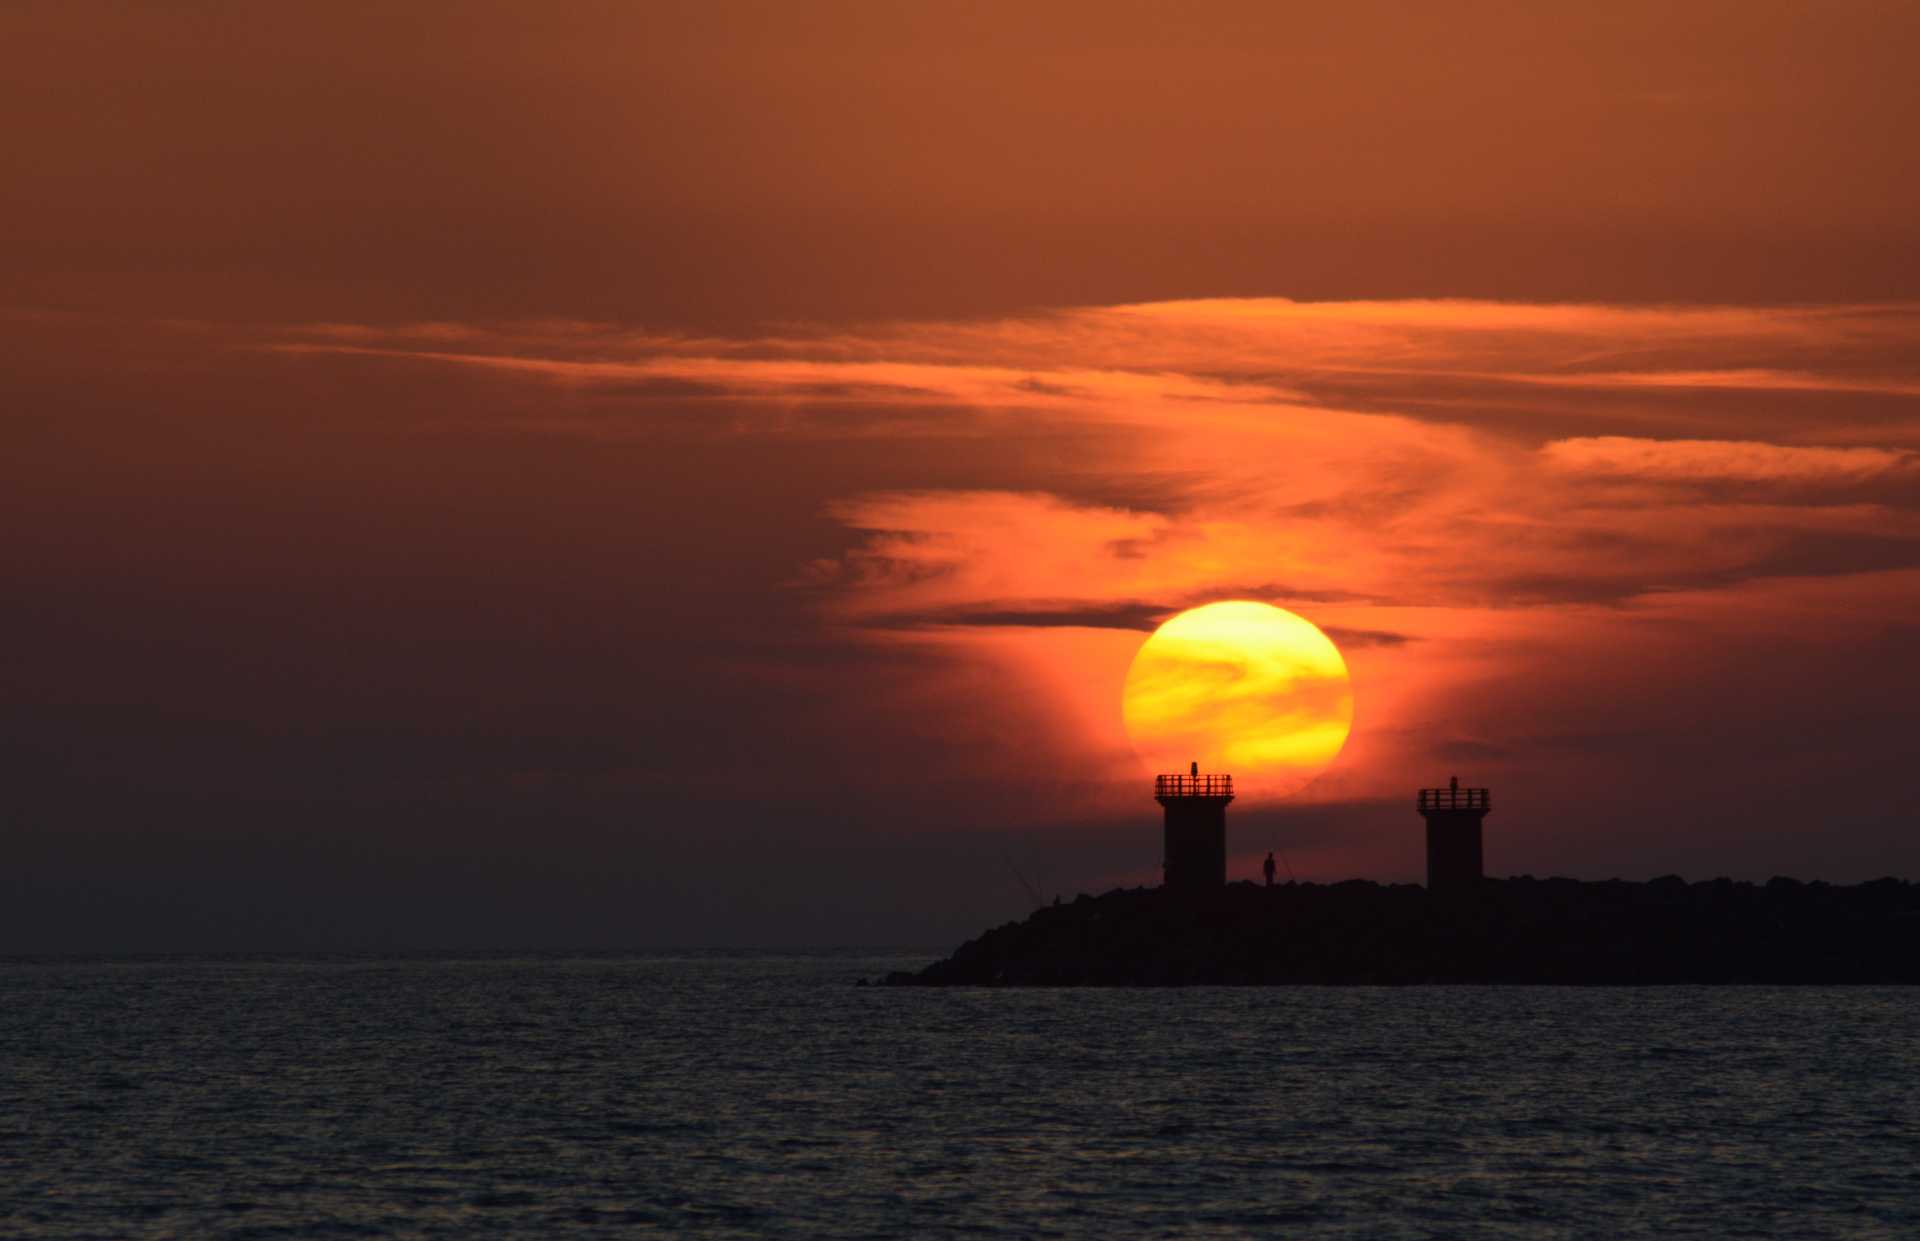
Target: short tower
(1453, 815)
(1196, 829)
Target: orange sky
(673, 473)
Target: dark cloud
(864, 391)
(1144, 617)
(1137, 616)
(1347, 637)
(665, 387)
(1046, 388)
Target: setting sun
(1243, 688)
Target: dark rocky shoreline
(1525, 930)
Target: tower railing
(1193, 786)
(1454, 799)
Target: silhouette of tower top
(1196, 829)
(1454, 815)
(1190, 786)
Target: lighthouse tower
(1453, 816)
(1196, 829)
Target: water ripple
(741, 1096)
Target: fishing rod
(1273, 838)
(1031, 890)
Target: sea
(767, 1095)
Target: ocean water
(759, 1095)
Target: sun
(1242, 688)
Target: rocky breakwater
(1525, 930)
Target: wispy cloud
(1716, 460)
(1351, 450)
(1422, 478)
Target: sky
(624, 475)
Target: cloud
(1142, 617)
(1401, 355)
(1734, 460)
(1444, 451)
(1347, 637)
(1747, 380)
(802, 378)
(1127, 615)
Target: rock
(1522, 930)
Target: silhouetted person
(1194, 769)
(1266, 868)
